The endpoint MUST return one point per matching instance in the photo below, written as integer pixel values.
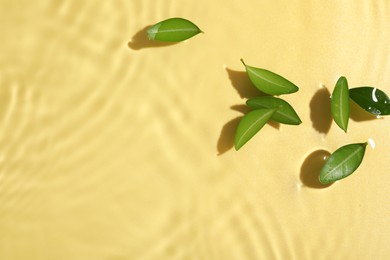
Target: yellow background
(115, 147)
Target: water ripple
(110, 152)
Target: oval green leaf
(250, 124)
(284, 112)
(373, 100)
(340, 103)
(173, 30)
(269, 82)
(342, 163)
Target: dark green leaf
(342, 163)
(340, 103)
(284, 113)
(269, 82)
(371, 99)
(173, 30)
(250, 124)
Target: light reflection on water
(108, 145)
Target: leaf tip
(152, 31)
(321, 180)
(296, 89)
(237, 143)
(342, 80)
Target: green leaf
(250, 124)
(340, 103)
(342, 163)
(269, 82)
(371, 99)
(284, 113)
(173, 30)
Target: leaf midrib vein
(178, 30)
(254, 72)
(249, 128)
(278, 111)
(343, 161)
(341, 106)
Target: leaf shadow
(241, 108)
(243, 85)
(358, 114)
(311, 168)
(226, 138)
(140, 40)
(274, 124)
(320, 111)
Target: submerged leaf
(269, 82)
(342, 163)
(173, 30)
(284, 113)
(371, 99)
(340, 103)
(250, 124)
